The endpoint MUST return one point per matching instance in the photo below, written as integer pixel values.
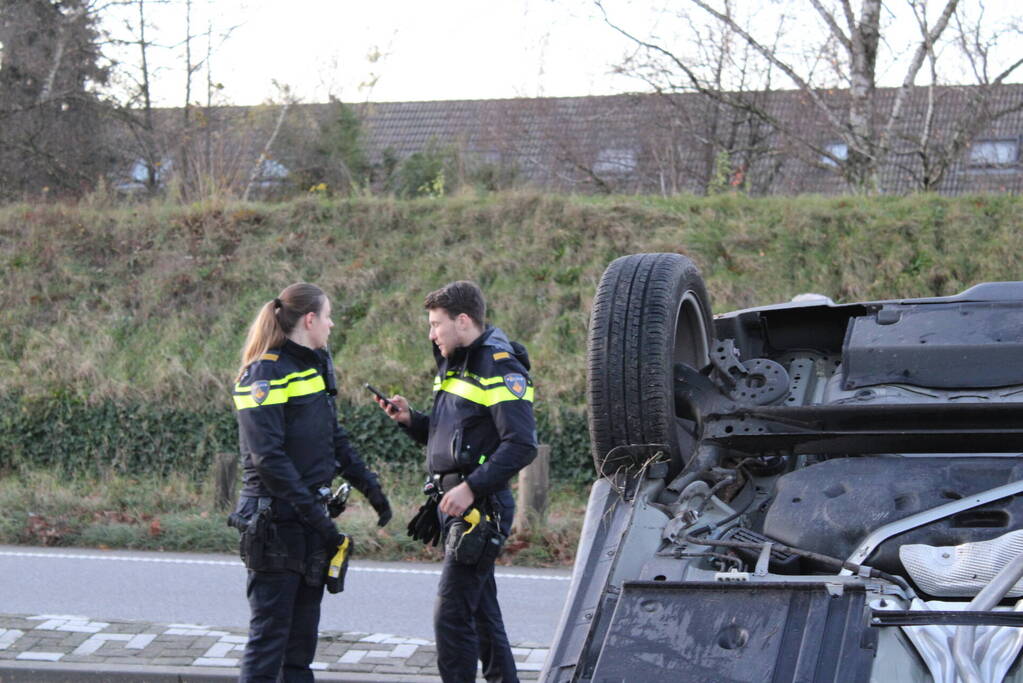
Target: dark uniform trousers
(467, 619)
(284, 614)
(285, 611)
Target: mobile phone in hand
(383, 398)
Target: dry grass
(150, 302)
(173, 514)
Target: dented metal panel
(730, 632)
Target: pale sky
(439, 50)
(459, 49)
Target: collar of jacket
(318, 357)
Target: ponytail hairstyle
(277, 318)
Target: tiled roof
(654, 143)
(667, 144)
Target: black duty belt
(444, 482)
(321, 493)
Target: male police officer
(480, 432)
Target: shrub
(74, 437)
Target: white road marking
(8, 636)
(237, 564)
(69, 623)
(41, 656)
(352, 657)
(219, 654)
(211, 661)
(131, 642)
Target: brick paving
(78, 640)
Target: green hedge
(73, 436)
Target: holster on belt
(338, 567)
(475, 538)
(315, 567)
(261, 547)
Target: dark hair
(277, 318)
(458, 297)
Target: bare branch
(265, 154)
(735, 101)
(850, 18)
(63, 173)
(773, 58)
(836, 30)
(1000, 78)
(929, 39)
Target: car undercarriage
(806, 491)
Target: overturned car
(799, 492)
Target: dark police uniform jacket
(481, 424)
(291, 442)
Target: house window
(838, 150)
(137, 177)
(271, 173)
(485, 157)
(615, 160)
(994, 153)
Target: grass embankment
(122, 324)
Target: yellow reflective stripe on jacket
(484, 381)
(278, 382)
(296, 384)
(484, 397)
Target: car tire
(650, 312)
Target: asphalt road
(393, 597)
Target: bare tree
(186, 109)
(734, 143)
(864, 117)
(147, 51)
(151, 156)
(259, 167)
(136, 73)
(935, 144)
(193, 162)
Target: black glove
(322, 525)
(335, 507)
(379, 502)
(425, 526)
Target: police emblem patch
(516, 384)
(260, 390)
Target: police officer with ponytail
(292, 447)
